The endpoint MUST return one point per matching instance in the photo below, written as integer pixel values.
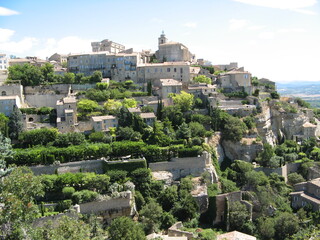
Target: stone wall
(111, 208)
(43, 100)
(54, 219)
(12, 90)
(182, 167)
(175, 231)
(282, 171)
(81, 166)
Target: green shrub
(84, 196)
(68, 191)
(63, 205)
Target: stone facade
(119, 66)
(167, 86)
(173, 51)
(179, 71)
(66, 114)
(4, 62)
(112, 208)
(8, 103)
(282, 171)
(230, 197)
(72, 167)
(103, 123)
(106, 45)
(306, 193)
(59, 58)
(175, 231)
(235, 235)
(182, 167)
(236, 80)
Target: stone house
(106, 45)
(309, 130)
(66, 114)
(235, 235)
(168, 70)
(236, 80)
(221, 200)
(112, 208)
(202, 89)
(103, 123)
(173, 51)
(306, 193)
(4, 62)
(167, 86)
(148, 118)
(8, 103)
(59, 58)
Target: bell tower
(162, 39)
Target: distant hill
(308, 91)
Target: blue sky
(275, 39)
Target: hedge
(152, 153)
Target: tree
(150, 215)
(86, 106)
(157, 136)
(238, 215)
(127, 133)
(96, 77)
(69, 77)
(183, 131)
(183, 100)
(5, 153)
(125, 228)
(197, 129)
(18, 192)
(286, 224)
(28, 74)
(294, 178)
(266, 228)
(266, 154)
(159, 109)
(129, 103)
(202, 79)
(4, 125)
(149, 88)
(234, 129)
(112, 106)
(15, 123)
(168, 197)
(38, 136)
(47, 71)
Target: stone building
(119, 66)
(236, 80)
(309, 130)
(4, 62)
(106, 45)
(168, 70)
(235, 235)
(173, 51)
(66, 114)
(221, 200)
(167, 86)
(8, 103)
(59, 58)
(225, 67)
(306, 193)
(103, 123)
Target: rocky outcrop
(244, 150)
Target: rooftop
(69, 100)
(308, 124)
(134, 110)
(165, 64)
(170, 82)
(9, 97)
(101, 118)
(148, 115)
(235, 235)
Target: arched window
(3, 93)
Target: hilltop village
(117, 144)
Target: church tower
(162, 39)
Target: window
(168, 69)
(175, 70)
(3, 93)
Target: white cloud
(295, 5)
(190, 24)
(266, 35)
(70, 44)
(237, 24)
(5, 34)
(21, 46)
(7, 12)
(256, 27)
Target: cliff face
(275, 123)
(246, 150)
